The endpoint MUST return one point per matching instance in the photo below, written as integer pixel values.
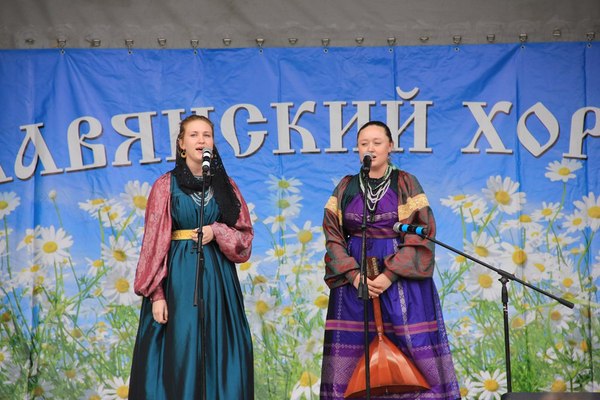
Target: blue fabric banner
(504, 139)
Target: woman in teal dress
(167, 359)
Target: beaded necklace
(375, 191)
(208, 193)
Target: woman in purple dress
(410, 306)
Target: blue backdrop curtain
(503, 138)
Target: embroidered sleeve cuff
(390, 275)
(158, 294)
(351, 275)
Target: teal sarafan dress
(166, 359)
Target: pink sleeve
(235, 241)
(152, 265)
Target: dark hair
(228, 203)
(380, 124)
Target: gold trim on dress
(183, 234)
(332, 205)
(412, 204)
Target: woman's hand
(207, 234)
(376, 286)
(379, 285)
(160, 312)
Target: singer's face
(374, 140)
(197, 135)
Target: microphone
(419, 230)
(366, 162)
(206, 156)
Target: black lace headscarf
(228, 203)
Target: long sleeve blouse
(414, 258)
(234, 241)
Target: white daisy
(94, 394)
(117, 389)
(467, 390)
(304, 235)
(544, 263)
(489, 386)
(112, 215)
(93, 206)
(288, 206)
(592, 387)
(261, 281)
(5, 357)
(119, 253)
(288, 315)
(562, 170)
(94, 265)
(318, 244)
(136, 195)
(307, 387)
(299, 250)
(481, 246)
(313, 285)
(457, 262)
(466, 331)
(277, 253)
(558, 385)
(28, 274)
(549, 356)
(525, 221)
(574, 222)
(457, 200)
(9, 201)
(247, 269)
(42, 390)
(521, 320)
(74, 373)
(15, 371)
(504, 194)
(278, 222)
(259, 309)
(548, 212)
(590, 209)
(580, 344)
(52, 246)
(567, 279)
(318, 307)
(521, 261)
(536, 238)
(483, 283)
(117, 287)
(559, 317)
(561, 240)
(595, 274)
(284, 185)
(3, 246)
(28, 241)
(253, 216)
(311, 347)
(578, 250)
(475, 211)
(290, 268)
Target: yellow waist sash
(183, 234)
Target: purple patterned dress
(411, 312)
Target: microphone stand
(363, 289)
(198, 290)
(504, 278)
